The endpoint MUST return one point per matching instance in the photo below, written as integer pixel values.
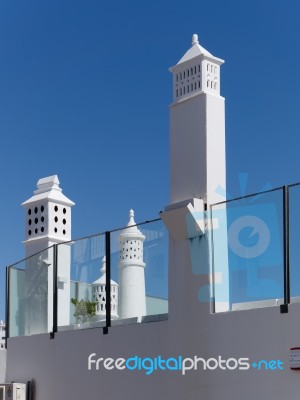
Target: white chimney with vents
(198, 160)
(132, 292)
(197, 127)
(48, 222)
(99, 294)
(48, 216)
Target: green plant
(84, 309)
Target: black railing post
(212, 251)
(286, 250)
(7, 305)
(107, 283)
(55, 293)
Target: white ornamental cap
(132, 230)
(195, 39)
(102, 279)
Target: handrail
(83, 238)
(255, 194)
(285, 204)
(53, 300)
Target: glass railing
(68, 286)
(253, 242)
(78, 266)
(30, 295)
(139, 266)
(248, 246)
(294, 242)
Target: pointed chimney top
(102, 279)
(48, 183)
(132, 229)
(48, 189)
(131, 218)
(194, 51)
(195, 39)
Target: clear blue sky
(85, 89)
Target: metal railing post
(55, 293)
(212, 259)
(107, 282)
(7, 305)
(286, 250)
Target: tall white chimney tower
(48, 222)
(132, 292)
(197, 127)
(198, 169)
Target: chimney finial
(195, 39)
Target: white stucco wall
(188, 149)
(59, 366)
